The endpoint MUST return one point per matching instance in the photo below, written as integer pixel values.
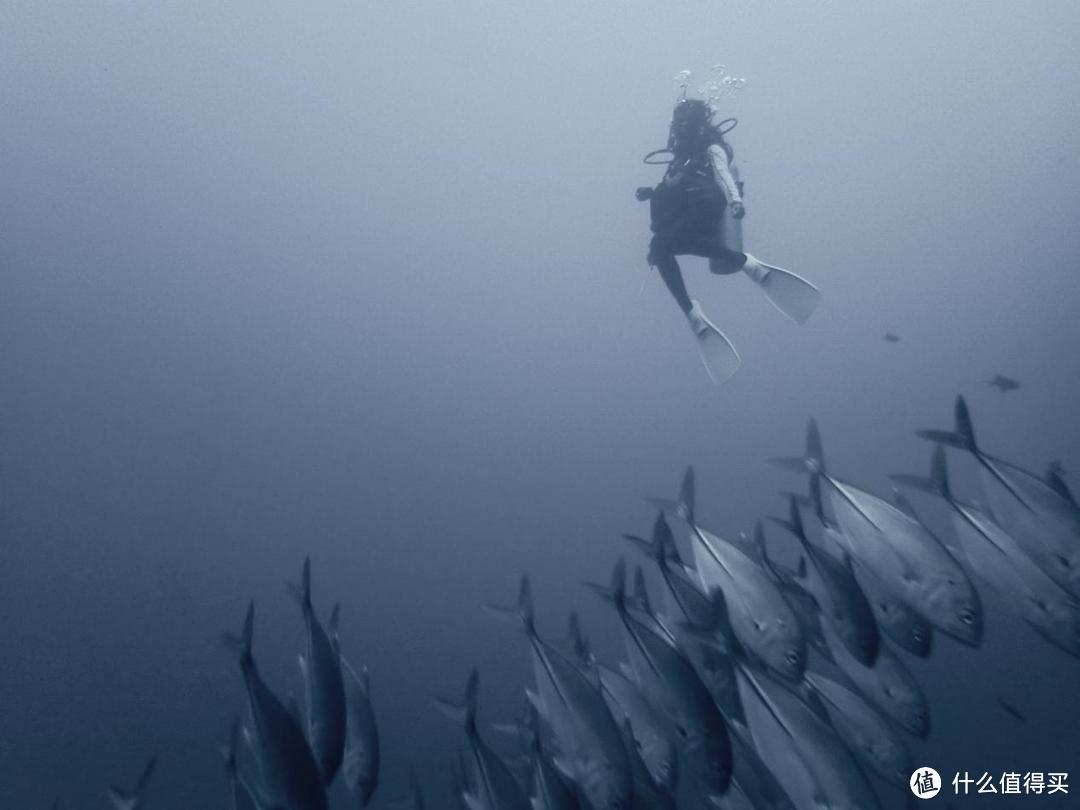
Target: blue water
(364, 282)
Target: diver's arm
(723, 175)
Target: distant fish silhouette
(1012, 710)
(1003, 383)
(891, 337)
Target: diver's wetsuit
(686, 210)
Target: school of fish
(757, 686)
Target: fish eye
(967, 617)
(682, 732)
(792, 658)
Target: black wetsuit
(685, 210)
(686, 207)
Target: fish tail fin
(789, 463)
(964, 428)
(144, 777)
(578, 643)
(522, 614)
(664, 548)
(664, 504)
(793, 523)
(241, 645)
(661, 549)
(302, 592)
(463, 713)
(963, 434)
(685, 505)
(472, 690)
(939, 471)
(812, 461)
(815, 453)
(640, 543)
(641, 591)
(615, 593)
(305, 582)
(938, 481)
(618, 586)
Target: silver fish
(550, 792)
(760, 616)
(899, 550)
(894, 617)
(888, 685)
(648, 795)
(360, 766)
(493, 786)
(589, 741)
(998, 559)
(802, 750)
(873, 741)
(324, 689)
(709, 640)
(241, 795)
(1037, 514)
(837, 593)
(290, 775)
(751, 777)
(653, 732)
(670, 683)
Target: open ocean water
(366, 282)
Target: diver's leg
(722, 260)
(719, 356)
(673, 278)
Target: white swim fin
(791, 294)
(719, 356)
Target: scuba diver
(697, 210)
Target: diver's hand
(643, 193)
(738, 210)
